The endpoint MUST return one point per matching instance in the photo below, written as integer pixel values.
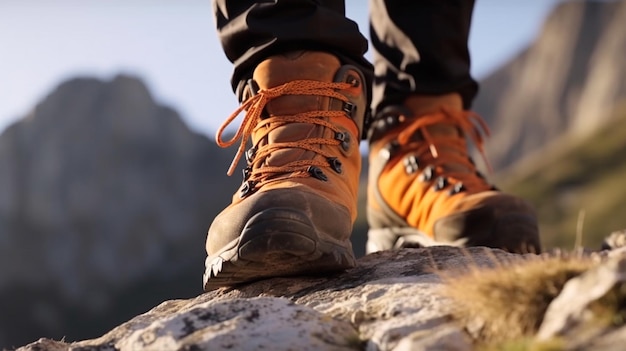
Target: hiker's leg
(251, 31)
(421, 47)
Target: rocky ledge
(437, 298)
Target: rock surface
(569, 314)
(391, 301)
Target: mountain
(578, 189)
(105, 195)
(566, 83)
(105, 198)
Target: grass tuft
(507, 302)
(526, 344)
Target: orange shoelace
(253, 122)
(442, 151)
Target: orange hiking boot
(424, 188)
(295, 209)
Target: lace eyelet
(247, 188)
(388, 150)
(391, 121)
(344, 138)
(250, 153)
(440, 183)
(427, 174)
(352, 80)
(335, 164)
(349, 108)
(410, 164)
(316, 172)
(457, 188)
(246, 172)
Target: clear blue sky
(172, 46)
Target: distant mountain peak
(105, 196)
(567, 82)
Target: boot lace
(442, 151)
(254, 122)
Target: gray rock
(613, 340)
(391, 301)
(444, 338)
(267, 323)
(570, 312)
(616, 240)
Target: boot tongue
(443, 130)
(423, 105)
(443, 150)
(448, 131)
(278, 70)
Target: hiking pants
(420, 46)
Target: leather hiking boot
(295, 209)
(424, 188)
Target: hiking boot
(295, 209)
(424, 188)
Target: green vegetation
(610, 310)
(586, 180)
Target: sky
(172, 46)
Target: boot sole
(380, 239)
(276, 242)
(511, 232)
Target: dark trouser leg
(250, 31)
(420, 46)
